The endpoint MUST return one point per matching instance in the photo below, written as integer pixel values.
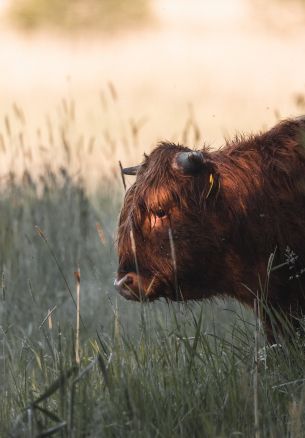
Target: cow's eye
(160, 213)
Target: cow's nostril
(129, 281)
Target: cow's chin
(139, 295)
(128, 294)
(153, 295)
(133, 296)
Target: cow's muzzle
(130, 287)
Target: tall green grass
(145, 370)
(172, 377)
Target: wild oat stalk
(48, 318)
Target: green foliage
(103, 15)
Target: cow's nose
(127, 283)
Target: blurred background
(137, 71)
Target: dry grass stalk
(7, 124)
(173, 257)
(133, 247)
(50, 324)
(19, 113)
(101, 233)
(77, 278)
(48, 318)
(2, 144)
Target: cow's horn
(131, 170)
(190, 163)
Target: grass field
(136, 370)
(153, 370)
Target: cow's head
(170, 237)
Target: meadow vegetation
(143, 369)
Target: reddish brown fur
(222, 235)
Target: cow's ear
(190, 163)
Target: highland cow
(198, 224)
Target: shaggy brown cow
(197, 224)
